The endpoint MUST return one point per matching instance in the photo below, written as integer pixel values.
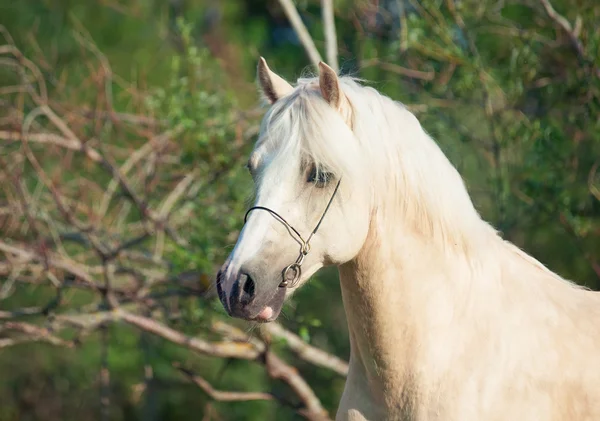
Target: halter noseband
(291, 273)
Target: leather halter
(291, 273)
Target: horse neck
(401, 287)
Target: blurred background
(125, 126)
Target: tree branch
(301, 31)
(51, 139)
(220, 395)
(34, 333)
(71, 267)
(307, 352)
(218, 349)
(330, 35)
(87, 220)
(572, 33)
(303, 350)
(276, 368)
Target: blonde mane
(447, 321)
(407, 174)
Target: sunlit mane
(391, 155)
(447, 321)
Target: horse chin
(269, 311)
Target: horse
(447, 320)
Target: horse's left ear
(330, 85)
(331, 91)
(271, 85)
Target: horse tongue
(266, 313)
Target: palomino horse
(447, 321)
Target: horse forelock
(386, 151)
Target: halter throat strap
(291, 273)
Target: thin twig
(220, 395)
(330, 35)
(303, 350)
(276, 367)
(305, 38)
(55, 261)
(52, 139)
(167, 207)
(403, 25)
(572, 33)
(564, 24)
(25, 311)
(34, 333)
(219, 349)
(307, 352)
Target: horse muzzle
(247, 299)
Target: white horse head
(309, 173)
(331, 139)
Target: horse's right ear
(331, 91)
(272, 86)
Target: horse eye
(321, 179)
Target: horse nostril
(248, 287)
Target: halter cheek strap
(291, 273)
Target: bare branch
(12, 49)
(220, 395)
(303, 350)
(166, 208)
(34, 333)
(330, 35)
(278, 369)
(131, 161)
(25, 311)
(55, 261)
(242, 351)
(564, 24)
(301, 31)
(275, 366)
(572, 33)
(403, 25)
(52, 139)
(307, 352)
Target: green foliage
(206, 116)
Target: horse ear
(272, 86)
(330, 86)
(332, 92)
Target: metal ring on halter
(296, 267)
(290, 282)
